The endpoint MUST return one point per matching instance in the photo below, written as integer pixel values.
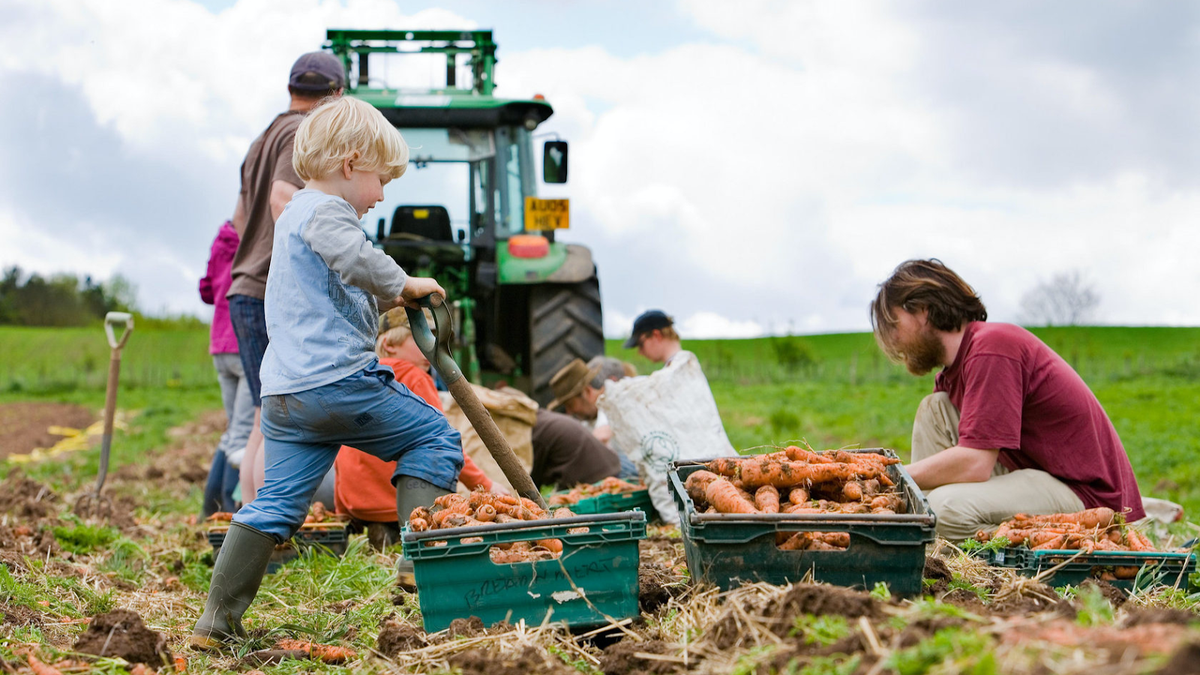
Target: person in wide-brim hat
(570, 382)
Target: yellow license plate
(547, 214)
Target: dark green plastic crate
(459, 580)
(638, 500)
(731, 549)
(1170, 569)
(327, 540)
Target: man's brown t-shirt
(566, 454)
(268, 160)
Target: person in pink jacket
(235, 390)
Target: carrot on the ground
(40, 668)
(726, 498)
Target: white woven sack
(667, 416)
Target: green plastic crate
(638, 500)
(330, 540)
(459, 580)
(1170, 569)
(731, 549)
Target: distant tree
(60, 300)
(1067, 299)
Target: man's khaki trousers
(965, 508)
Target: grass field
(832, 390)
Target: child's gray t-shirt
(321, 310)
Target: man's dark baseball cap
(650, 320)
(327, 69)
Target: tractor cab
(526, 306)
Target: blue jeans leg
(367, 410)
(249, 319)
(214, 487)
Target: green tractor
(467, 212)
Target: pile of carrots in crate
(317, 515)
(483, 508)
(1099, 529)
(609, 486)
(796, 481)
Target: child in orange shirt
(364, 488)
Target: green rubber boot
(411, 493)
(235, 580)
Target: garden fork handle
(437, 350)
(110, 393)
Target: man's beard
(923, 353)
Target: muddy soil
(528, 660)
(27, 499)
(780, 614)
(936, 569)
(396, 637)
(25, 426)
(622, 658)
(122, 633)
(1185, 661)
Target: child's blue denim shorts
(369, 411)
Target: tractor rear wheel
(565, 323)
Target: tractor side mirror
(554, 162)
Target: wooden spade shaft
(437, 350)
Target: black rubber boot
(235, 580)
(411, 493)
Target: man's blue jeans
(369, 411)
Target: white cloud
(772, 175)
(707, 325)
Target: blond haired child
(322, 384)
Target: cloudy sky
(752, 167)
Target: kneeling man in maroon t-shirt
(1011, 427)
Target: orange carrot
(798, 542)
(724, 466)
(839, 539)
(798, 496)
(853, 491)
(485, 513)
(798, 454)
(766, 499)
(552, 545)
(791, 474)
(181, 664)
(1138, 541)
(1090, 519)
(320, 652)
(40, 668)
(418, 524)
(725, 497)
(697, 483)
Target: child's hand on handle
(418, 287)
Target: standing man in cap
(268, 183)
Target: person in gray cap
(268, 182)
